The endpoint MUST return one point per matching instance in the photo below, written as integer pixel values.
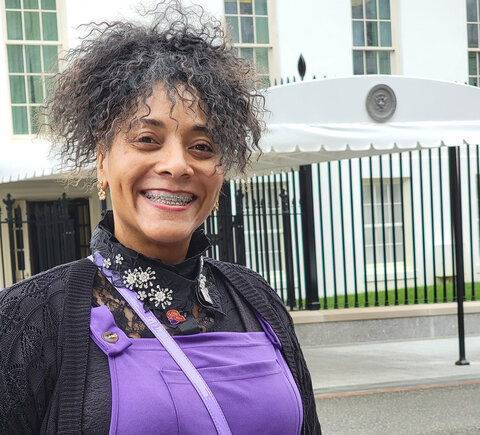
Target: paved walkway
(381, 365)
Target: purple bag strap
(173, 349)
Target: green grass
(449, 296)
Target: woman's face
(163, 178)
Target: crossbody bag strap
(173, 349)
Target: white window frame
(373, 48)
(24, 42)
(474, 50)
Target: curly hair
(113, 71)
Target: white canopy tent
(327, 119)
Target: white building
(436, 39)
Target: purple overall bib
(245, 371)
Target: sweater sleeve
(30, 316)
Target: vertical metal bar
(472, 279)
(277, 220)
(287, 240)
(456, 207)
(353, 233)
(274, 268)
(384, 248)
(9, 205)
(477, 177)
(265, 230)
(365, 283)
(422, 214)
(308, 238)
(374, 241)
(432, 217)
(392, 208)
(1, 250)
(322, 238)
(248, 204)
(413, 231)
(405, 290)
(340, 185)
(332, 238)
(256, 240)
(442, 225)
(296, 215)
(239, 223)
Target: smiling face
(163, 177)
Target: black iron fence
(361, 232)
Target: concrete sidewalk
(369, 366)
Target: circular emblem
(381, 103)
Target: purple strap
(172, 348)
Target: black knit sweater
(44, 340)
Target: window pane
(384, 62)
(265, 80)
(372, 34)
(49, 26)
(247, 53)
(357, 9)
(472, 35)
(32, 55)
(232, 28)
(358, 34)
(247, 29)
(385, 34)
(17, 90)
(261, 55)
(49, 84)
(14, 25)
(262, 30)
(30, 4)
(35, 118)
(15, 58)
(50, 58)
(371, 62)
(32, 26)
(473, 81)
(231, 6)
(12, 4)
(358, 62)
(35, 89)
(472, 63)
(384, 9)
(261, 7)
(246, 7)
(472, 10)
(20, 120)
(371, 8)
(49, 5)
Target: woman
(166, 111)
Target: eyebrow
(158, 123)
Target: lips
(169, 198)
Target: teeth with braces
(168, 199)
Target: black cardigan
(44, 337)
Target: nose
(172, 160)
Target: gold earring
(101, 192)
(215, 206)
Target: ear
(102, 166)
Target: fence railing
(382, 229)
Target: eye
(146, 139)
(203, 147)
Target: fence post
(308, 238)
(225, 224)
(239, 229)
(9, 205)
(456, 207)
(287, 241)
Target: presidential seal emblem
(381, 103)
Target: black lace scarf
(183, 297)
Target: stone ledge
(391, 312)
